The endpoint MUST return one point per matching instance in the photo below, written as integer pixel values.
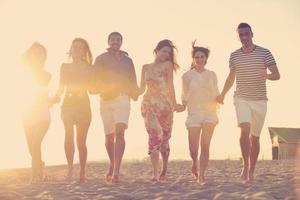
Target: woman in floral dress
(159, 103)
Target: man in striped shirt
(248, 66)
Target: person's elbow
(230, 80)
(277, 77)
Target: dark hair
(115, 33)
(168, 43)
(195, 49)
(244, 25)
(88, 58)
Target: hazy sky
(276, 26)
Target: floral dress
(157, 109)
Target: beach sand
(274, 180)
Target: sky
(276, 26)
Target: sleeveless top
(76, 79)
(158, 92)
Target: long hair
(195, 49)
(87, 57)
(168, 43)
(30, 59)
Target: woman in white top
(198, 95)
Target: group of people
(113, 77)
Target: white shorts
(196, 119)
(114, 111)
(253, 112)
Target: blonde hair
(87, 57)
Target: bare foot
(195, 170)
(69, 176)
(201, 179)
(36, 178)
(109, 174)
(244, 174)
(154, 179)
(163, 175)
(251, 176)
(46, 178)
(108, 177)
(82, 178)
(115, 179)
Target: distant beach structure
(285, 142)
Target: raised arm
(274, 75)
(271, 65)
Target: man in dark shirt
(116, 82)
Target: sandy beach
(274, 180)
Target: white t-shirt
(199, 90)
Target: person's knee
(205, 149)
(245, 129)
(110, 139)
(120, 136)
(244, 136)
(69, 141)
(193, 153)
(120, 128)
(254, 139)
(81, 145)
(69, 135)
(165, 153)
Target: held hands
(179, 108)
(55, 99)
(140, 91)
(220, 99)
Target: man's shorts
(114, 111)
(253, 112)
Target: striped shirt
(250, 85)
